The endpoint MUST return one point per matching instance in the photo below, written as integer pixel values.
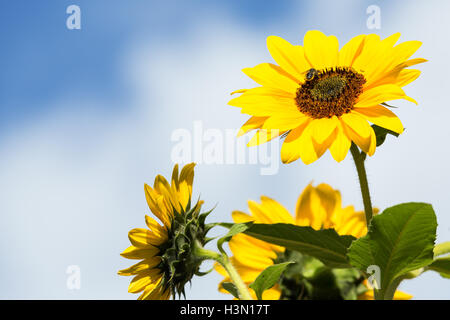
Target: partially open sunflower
(166, 251)
(308, 279)
(321, 97)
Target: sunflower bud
(168, 251)
(179, 262)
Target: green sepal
(179, 263)
(381, 134)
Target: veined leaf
(325, 245)
(231, 288)
(268, 278)
(401, 239)
(234, 229)
(441, 265)
(381, 133)
(441, 249)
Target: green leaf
(441, 249)
(234, 229)
(268, 278)
(401, 239)
(231, 288)
(381, 134)
(325, 245)
(441, 265)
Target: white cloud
(72, 183)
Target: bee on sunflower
(167, 251)
(320, 208)
(320, 97)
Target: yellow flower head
(320, 97)
(166, 251)
(318, 207)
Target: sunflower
(318, 207)
(320, 97)
(166, 250)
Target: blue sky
(44, 59)
(86, 117)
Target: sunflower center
(329, 92)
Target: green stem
(244, 294)
(442, 248)
(389, 293)
(359, 158)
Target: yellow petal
(400, 295)
(241, 217)
(154, 226)
(263, 105)
(390, 41)
(382, 117)
(250, 254)
(143, 279)
(290, 58)
(257, 211)
(403, 51)
(351, 50)
(357, 124)
(410, 99)
(392, 58)
(339, 148)
(309, 211)
(323, 128)
(154, 201)
(220, 269)
(263, 136)
(320, 148)
(275, 211)
(270, 75)
(252, 123)
(152, 291)
(321, 51)
(370, 53)
(239, 91)
(375, 55)
(299, 144)
(143, 265)
(411, 62)
(273, 293)
(352, 223)
(359, 131)
(398, 76)
(269, 91)
(407, 76)
(377, 95)
(285, 123)
(143, 238)
(187, 173)
(133, 252)
(261, 248)
(330, 201)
